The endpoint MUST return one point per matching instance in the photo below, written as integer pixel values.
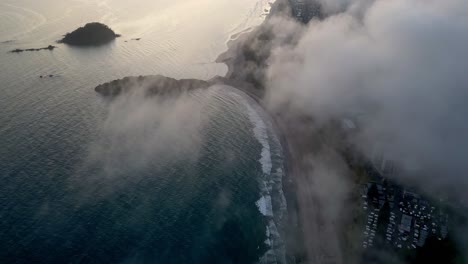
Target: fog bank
(398, 69)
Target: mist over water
(136, 179)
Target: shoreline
(231, 54)
(292, 232)
(293, 237)
(308, 236)
(279, 212)
(290, 228)
(273, 194)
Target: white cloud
(403, 64)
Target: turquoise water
(137, 180)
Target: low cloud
(142, 132)
(400, 67)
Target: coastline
(293, 235)
(275, 193)
(232, 56)
(289, 230)
(272, 204)
(292, 231)
(309, 235)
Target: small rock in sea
(51, 75)
(41, 76)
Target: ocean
(84, 179)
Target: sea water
(87, 180)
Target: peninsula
(92, 34)
(152, 85)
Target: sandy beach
(309, 237)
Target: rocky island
(92, 34)
(50, 47)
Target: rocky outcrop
(50, 47)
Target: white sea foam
(269, 180)
(276, 253)
(278, 181)
(260, 130)
(261, 134)
(265, 206)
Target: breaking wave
(271, 191)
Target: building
(405, 224)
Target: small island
(92, 34)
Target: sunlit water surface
(84, 180)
